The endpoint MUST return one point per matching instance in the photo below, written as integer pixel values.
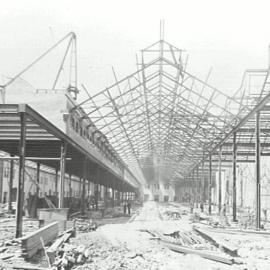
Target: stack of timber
(32, 242)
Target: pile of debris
(114, 212)
(69, 255)
(4, 213)
(188, 238)
(172, 215)
(84, 225)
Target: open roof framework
(165, 111)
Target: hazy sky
(229, 36)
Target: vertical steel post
(83, 187)
(69, 186)
(210, 185)
(11, 172)
(20, 193)
(234, 176)
(37, 188)
(203, 181)
(197, 189)
(80, 187)
(56, 182)
(62, 174)
(113, 194)
(258, 173)
(219, 179)
(193, 188)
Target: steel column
(56, 182)
(62, 174)
(11, 172)
(203, 182)
(234, 175)
(210, 185)
(20, 192)
(219, 179)
(258, 173)
(37, 187)
(197, 184)
(83, 186)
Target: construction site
(159, 169)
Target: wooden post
(234, 175)
(258, 172)
(11, 172)
(62, 174)
(210, 185)
(219, 180)
(20, 192)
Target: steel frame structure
(163, 110)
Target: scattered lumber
(31, 243)
(203, 254)
(21, 266)
(75, 214)
(238, 231)
(227, 247)
(52, 250)
(6, 256)
(27, 267)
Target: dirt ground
(129, 246)
(125, 243)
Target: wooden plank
(238, 231)
(51, 251)
(28, 267)
(31, 243)
(203, 254)
(227, 247)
